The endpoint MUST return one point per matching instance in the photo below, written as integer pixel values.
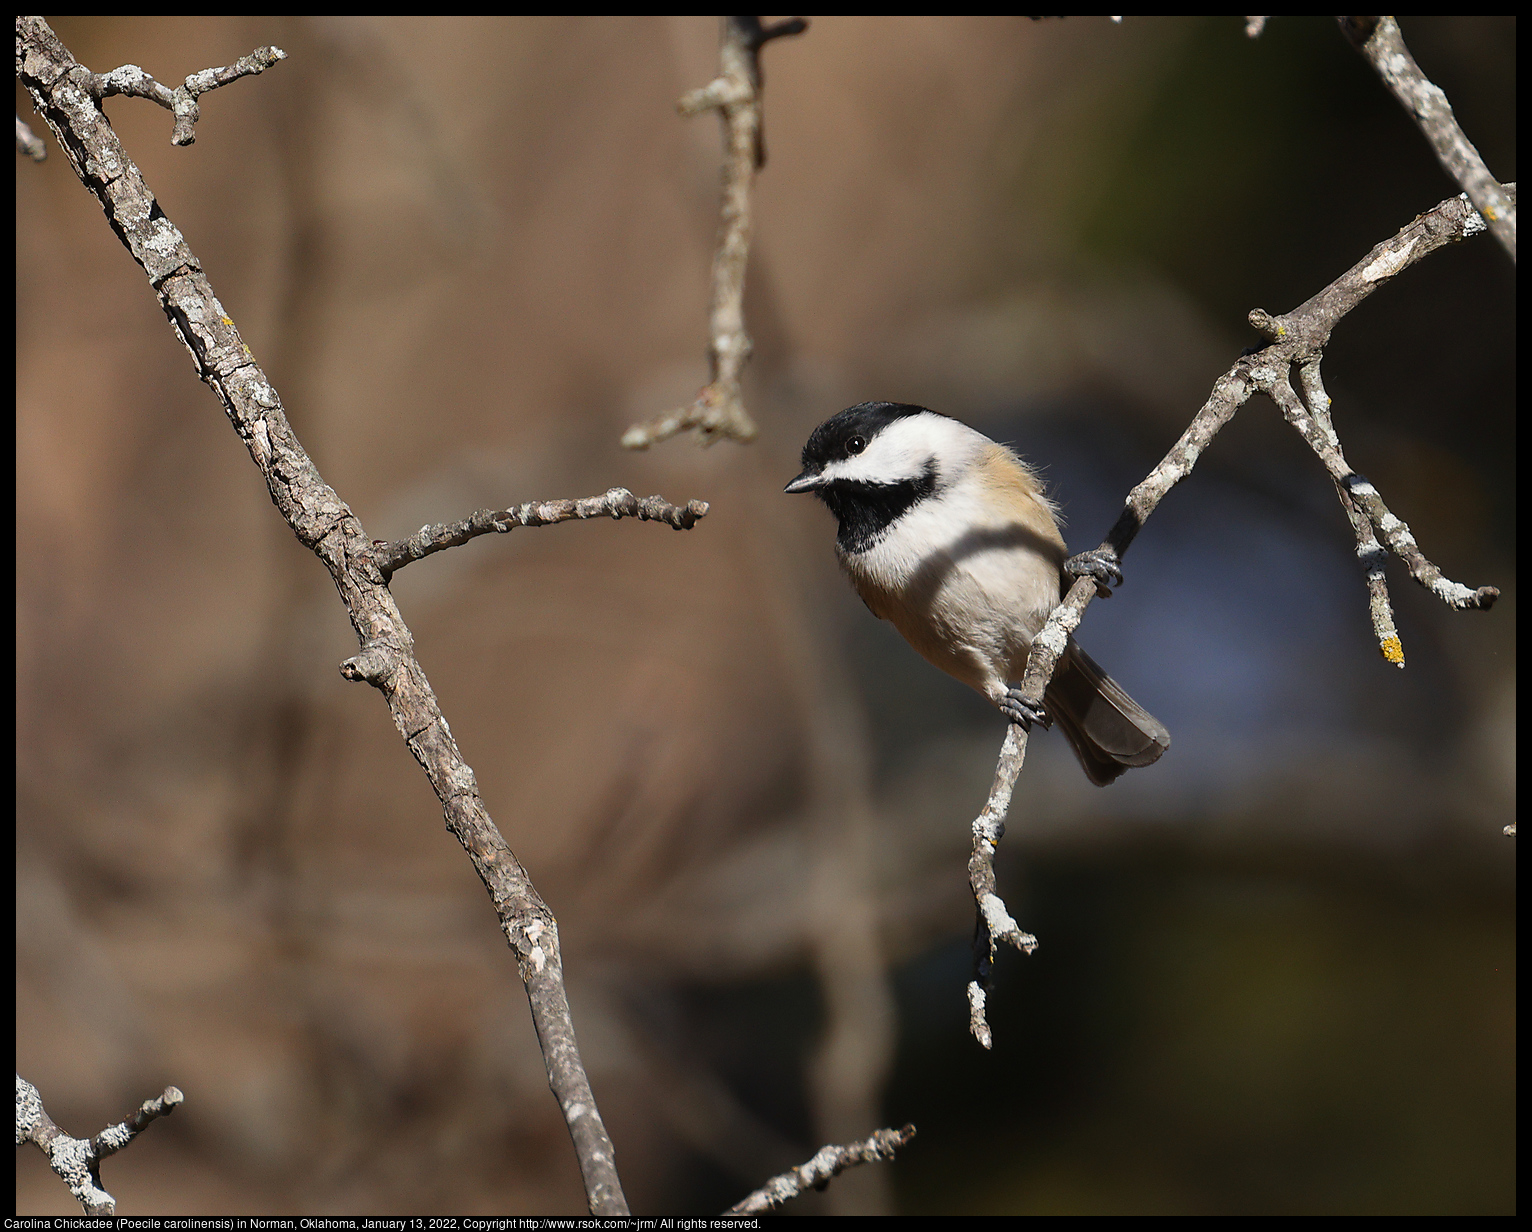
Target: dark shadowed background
(1276, 971)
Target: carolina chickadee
(951, 538)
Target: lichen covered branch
(1380, 41)
(993, 922)
(614, 503)
(829, 1163)
(1297, 338)
(181, 101)
(325, 524)
(1369, 551)
(78, 1160)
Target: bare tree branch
(615, 503)
(830, 1162)
(78, 1160)
(719, 409)
(993, 923)
(1379, 39)
(114, 1137)
(61, 91)
(182, 101)
(1297, 338)
(1379, 607)
(1395, 533)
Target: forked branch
(64, 93)
(1297, 339)
(78, 1160)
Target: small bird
(951, 538)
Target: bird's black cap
(864, 509)
(828, 442)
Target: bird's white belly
(972, 606)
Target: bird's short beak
(806, 482)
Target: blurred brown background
(1276, 972)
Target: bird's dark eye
(855, 445)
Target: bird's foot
(1099, 564)
(1019, 710)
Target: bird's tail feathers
(1108, 730)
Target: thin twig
(1379, 39)
(830, 1162)
(993, 923)
(1368, 550)
(719, 408)
(326, 525)
(614, 503)
(1395, 533)
(114, 1137)
(1297, 338)
(78, 1160)
(181, 101)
